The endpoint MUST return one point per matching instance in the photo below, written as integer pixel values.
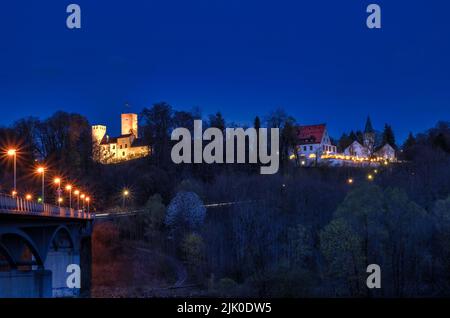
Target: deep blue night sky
(317, 59)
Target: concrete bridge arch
(13, 241)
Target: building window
(120, 146)
(310, 148)
(304, 148)
(123, 153)
(126, 146)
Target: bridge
(37, 244)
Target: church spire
(369, 128)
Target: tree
(344, 142)
(279, 118)
(217, 121)
(182, 119)
(441, 255)
(342, 247)
(257, 123)
(65, 139)
(409, 142)
(185, 212)
(286, 123)
(194, 253)
(157, 125)
(154, 217)
(388, 136)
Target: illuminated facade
(127, 146)
(313, 141)
(369, 149)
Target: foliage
(185, 211)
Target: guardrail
(17, 205)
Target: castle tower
(98, 133)
(130, 124)
(369, 136)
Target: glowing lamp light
(370, 177)
(28, 197)
(76, 192)
(68, 187)
(60, 200)
(350, 181)
(126, 193)
(14, 193)
(82, 196)
(57, 180)
(11, 152)
(88, 199)
(40, 170)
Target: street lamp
(13, 153)
(77, 193)
(41, 170)
(28, 197)
(125, 194)
(82, 196)
(88, 199)
(57, 181)
(69, 188)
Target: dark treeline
(302, 232)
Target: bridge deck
(20, 206)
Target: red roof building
(313, 140)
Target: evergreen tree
(388, 136)
(344, 142)
(217, 121)
(257, 123)
(410, 142)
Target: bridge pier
(57, 262)
(86, 265)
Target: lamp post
(125, 194)
(77, 193)
(13, 153)
(57, 181)
(88, 199)
(82, 196)
(69, 188)
(41, 170)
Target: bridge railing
(17, 205)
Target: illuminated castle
(126, 147)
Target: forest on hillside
(304, 232)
